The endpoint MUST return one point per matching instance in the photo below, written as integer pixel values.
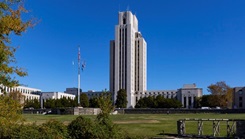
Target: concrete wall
(86, 111)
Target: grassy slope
(149, 124)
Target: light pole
(78, 78)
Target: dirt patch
(136, 122)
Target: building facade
(93, 94)
(27, 92)
(128, 58)
(72, 91)
(56, 95)
(53, 95)
(188, 95)
(154, 93)
(239, 97)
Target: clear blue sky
(191, 41)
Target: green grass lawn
(149, 125)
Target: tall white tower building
(127, 58)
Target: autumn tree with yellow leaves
(221, 94)
(11, 24)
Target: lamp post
(78, 86)
(79, 77)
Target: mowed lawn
(148, 125)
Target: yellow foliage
(11, 22)
(10, 114)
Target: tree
(121, 101)
(93, 102)
(53, 129)
(81, 127)
(11, 23)
(58, 103)
(141, 103)
(101, 128)
(49, 103)
(206, 101)
(150, 101)
(72, 102)
(18, 96)
(25, 131)
(64, 102)
(32, 103)
(197, 102)
(221, 94)
(105, 104)
(84, 100)
(105, 128)
(10, 114)
(158, 102)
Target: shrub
(54, 129)
(10, 115)
(81, 128)
(158, 102)
(30, 131)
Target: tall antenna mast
(79, 69)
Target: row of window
(21, 90)
(155, 93)
(169, 97)
(64, 96)
(95, 94)
(30, 97)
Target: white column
(182, 100)
(192, 101)
(187, 102)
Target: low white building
(56, 95)
(154, 93)
(92, 93)
(72, 91)
(186, 95)
(27, 92)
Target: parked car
(205, 108)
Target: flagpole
(78, 86)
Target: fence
(234, 127)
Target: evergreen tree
(93, 102)
(121, 101)
(84, 101)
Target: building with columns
(27, 92)
(188, 95)
(127, 58)
(154, 93)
